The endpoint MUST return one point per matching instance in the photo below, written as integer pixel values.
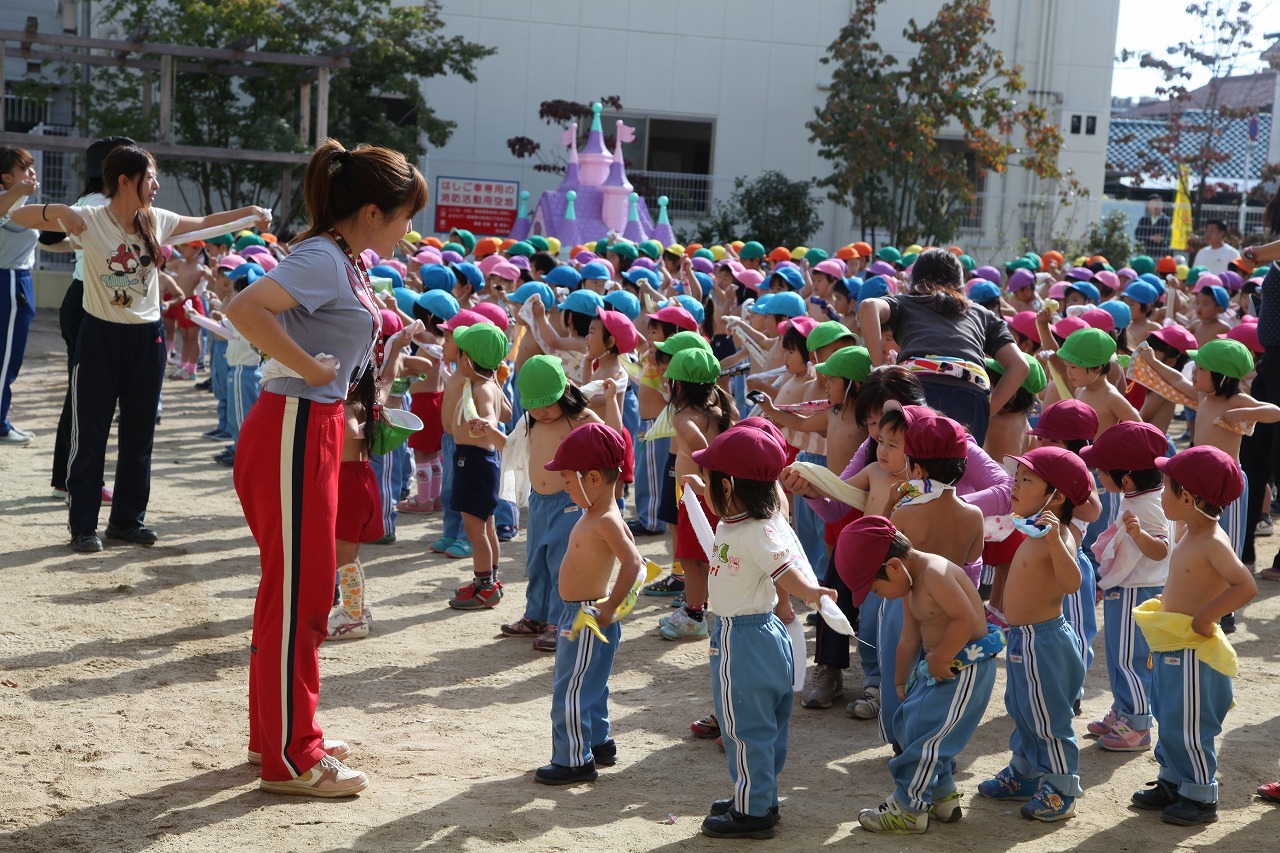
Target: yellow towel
(1169, 632)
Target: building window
(1091, 126)
(671, 157)
(1075, 124)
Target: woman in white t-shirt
(120, 354)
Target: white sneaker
(343, 627)
(1264, 528)
(20, 431)
(15, 438)
(866, 708)
(338, 749)
(329, 778)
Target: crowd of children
(686, 386)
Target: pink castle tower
(595, 157)
(616, 187)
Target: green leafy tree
(560, 113)
(909, 142)
(773, 209)
(1218, 48)
(1110, 238)
(378, 99)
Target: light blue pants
(218, 374)
(452, 518)
(934, 724)
(1127, 652)
(580, 690)
(751, 672)
(386, 472)
(651, 462)
(1043, 677)
(888, 633)
(551, 520)
(869, 640)
(1233, 520)
(242, 386)
(1081, 610)
(810, 527)
(1191, 700)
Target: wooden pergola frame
(237, 60)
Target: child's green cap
(541, 381)
(484, 343)
(1225, 356)
(694, 365)
(1088, 348)
(827, 333)
(851, 363)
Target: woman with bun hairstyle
(315, 315)
(120, 349)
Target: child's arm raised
(615, 533)
(790, 420)
(1152, 547)
(554, 340)
(1066, 571)
(1167, 373)
(872, 314)
(1252, 411)
(1241, 588)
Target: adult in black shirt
(1155, 230)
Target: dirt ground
(122, 702)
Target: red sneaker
(472, 597)
(1270, 792)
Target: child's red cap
(936, 438)
(1061, 469)
(861, 550)
(1205, 472)
(1067, 420)
(1127, 446)
(752, 449)
(590, 447)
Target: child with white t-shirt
(751, 660)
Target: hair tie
(340, 158)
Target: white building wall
(751, 65)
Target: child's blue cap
(693, 306)
(405, 299)
(562, 276)
(582, 302)
(635, 275)
(704, 281)
(249, 271)
(877, 285)
(1142, 292)
(529, 288)
(627, 303)
(791, 275)
(1119, 312)
(1220, 295)
(471, 273)
(384, 271)
(1087, 290)
(983, 292)
(596, 270)
(1153, 280)
(788, 304)
(436, 277)
(438, 303)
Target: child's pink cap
(1099, 319)
(1177, 337)
(1058, 291)
(1025, 322)
(467, 317)
(804, 325)
(230, 261)
(493, 313)
(503, 270)
(1064, 327)
(616, 324)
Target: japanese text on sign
(478, 205)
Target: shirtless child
(553, 408)
(1206, 581)
(1088, 354)
(944, 695)
(1043, 666)
(588, 462)
(478, 350)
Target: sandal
(524, 627)
(706, 728)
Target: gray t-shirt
(922, 330)
(330, 318)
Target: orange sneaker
(329, 778)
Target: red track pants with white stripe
(286, 475)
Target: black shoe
(984, 592)
(86, 543)
(206, 385)
(812, 618)
(507, 532)
(1075, 707)
(1228, 624)
(1190, 812)
(720, 807)
(140, 535)
(227, 459)
(735, 824)
(638, 529)
(1158, 796)
(605, 754)
(558, 774)
(386, 539)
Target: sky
(1157, 24)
